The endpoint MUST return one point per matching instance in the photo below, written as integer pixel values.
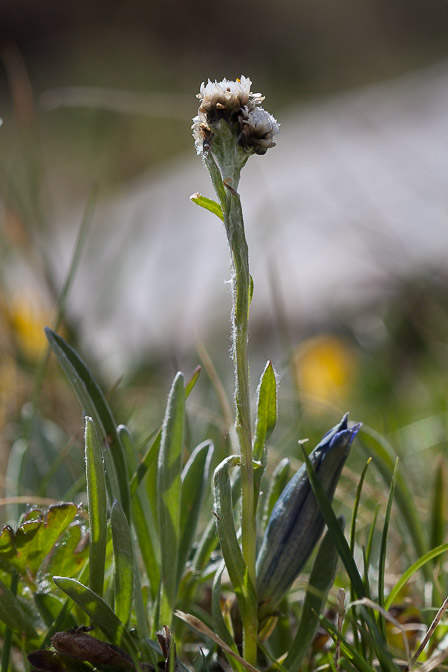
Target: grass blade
(97, 502)
(123, 563)
(420, 563)
(95, 405)
(349, 564)
(383, 547)
(375, 444)
(347, 649)
(169, 495)
(438, 506)
(321, 580)
(356, 505)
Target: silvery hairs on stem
(233, 103)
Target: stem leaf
(208, 204)
(266, 417)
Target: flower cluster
(233, 102)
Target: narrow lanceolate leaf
(97, 502)
(230, 547)
(169, 494)
(207, 204)
(12, 614)
(143, 520)
(321, 580)
(276, 485)
(219, 624)
(266, 412)
(438, 505)
(95, 405)
(154, 445)
(195, 479)
(123, 563)
(102, 616)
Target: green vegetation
(134, 545)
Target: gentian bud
(296, 522)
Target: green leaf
(169, 494)
(383, 547)
(70, 553)
(230, 547)
(97, 502)
(12, 613)
(190, 384)
(195, 478)
(102, 616)
(153, 450)
(143, 520)
(276, 485)
(266, 416)
(123, 563)
(207, 204)
(95, 405)
(356, 505)
(49, 607)
(219, 624)
(346, 556)
(347, 648)
(438, 505)
(321, 580)
(374, 444)
(30, 549)
(421, 562)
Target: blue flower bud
(296, 523)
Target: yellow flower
(27, 318)
(325, 367)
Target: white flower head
(228, 94)
(234, 102)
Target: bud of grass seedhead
(296, 523)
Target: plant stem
(225, 179)
(233, 219)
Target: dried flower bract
(234, 102)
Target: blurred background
(347, 217)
